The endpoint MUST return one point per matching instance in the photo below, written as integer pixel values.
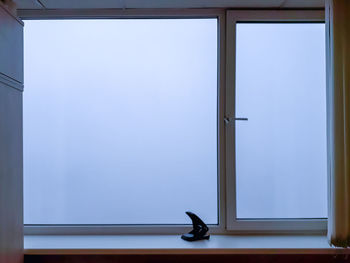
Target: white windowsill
(173, 244)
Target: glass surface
(120, 121)
(281, 149)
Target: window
(120, 121)
(276, 122)
(128, 123)
(281, 89)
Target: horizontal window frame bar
(44, 14)
(285, 227)
(112, 229)
(272, 16)
(280, 225)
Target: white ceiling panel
(82, 4)
(27, 4)
(201, 3)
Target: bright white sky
(120, 121)
(281, 164)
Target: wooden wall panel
(11, 174)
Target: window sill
(173, 244)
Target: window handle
(228, 120)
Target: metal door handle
(228, 120)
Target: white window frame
(219, 14)
(256, 225)
(227, 222)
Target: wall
(11, 86)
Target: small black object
(199, 231)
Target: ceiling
(83, 4)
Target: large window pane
(281, 149)
(120, 121)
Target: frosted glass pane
(281, 149)
(120, 121)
